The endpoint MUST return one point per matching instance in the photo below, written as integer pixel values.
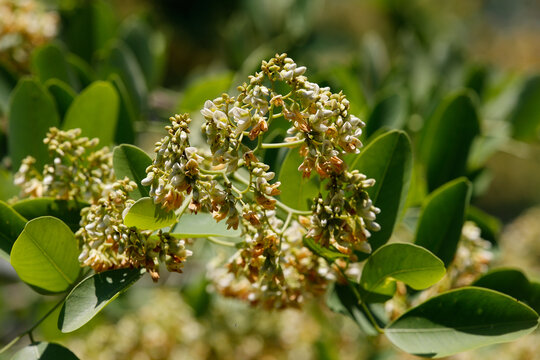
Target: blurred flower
(24, 25)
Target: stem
(290, 144)
(29, 331)
(362, 303)
(220, 242)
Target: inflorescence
(272, 266)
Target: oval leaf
(125, 131)
(62, 94)
(439, 227)
(32, 113)
(11, 225)
(44, 351)
(448, 137)
(460, 320)
(202, 225)
(92, 294)
(130, 161)
(95, 112)
(296, 191)
(69, 211)
(146, 215)
(149, 48)
(511, 282)
(412, 264)
(525, 116)
(388, 160)
(121, 60)
(49, 62)
(45, 255)
(388, 112)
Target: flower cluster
(174, 172)
(78, 171)
(107, 243)
(272, 270)
(25, 25)
(345, 215)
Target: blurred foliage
(401, 64)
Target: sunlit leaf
(95, 112)
(92, 294)
(388, 160)
(296, 191)
(460, 320)
(144, 214)
(32, 113)
(411, 264)
(202, 225)
(45, 255)
(130, 161)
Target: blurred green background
(395, 60)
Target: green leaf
(92, 294)
(412, 264)
(328, 254)
(388, 112)
(49, 62)
(7, 82)
(296, 191)
(11, 225)
(490, 226)
(525, 117)
(534, 299)
(146, 215)
(88, 27)
(204, 88)
(69, 211)
(63, 95)
(447, 139)
(119, 59)
(130, 161)
(32, 113)
(45, 255)
(44, 351)
(388, 160)
(82, 70)
(511, 282)
(95, 112)
(439, 227)
(202, 225)
(7, 188)
(148, 46)
(461, 320)
(341, 299)
(125, 128)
